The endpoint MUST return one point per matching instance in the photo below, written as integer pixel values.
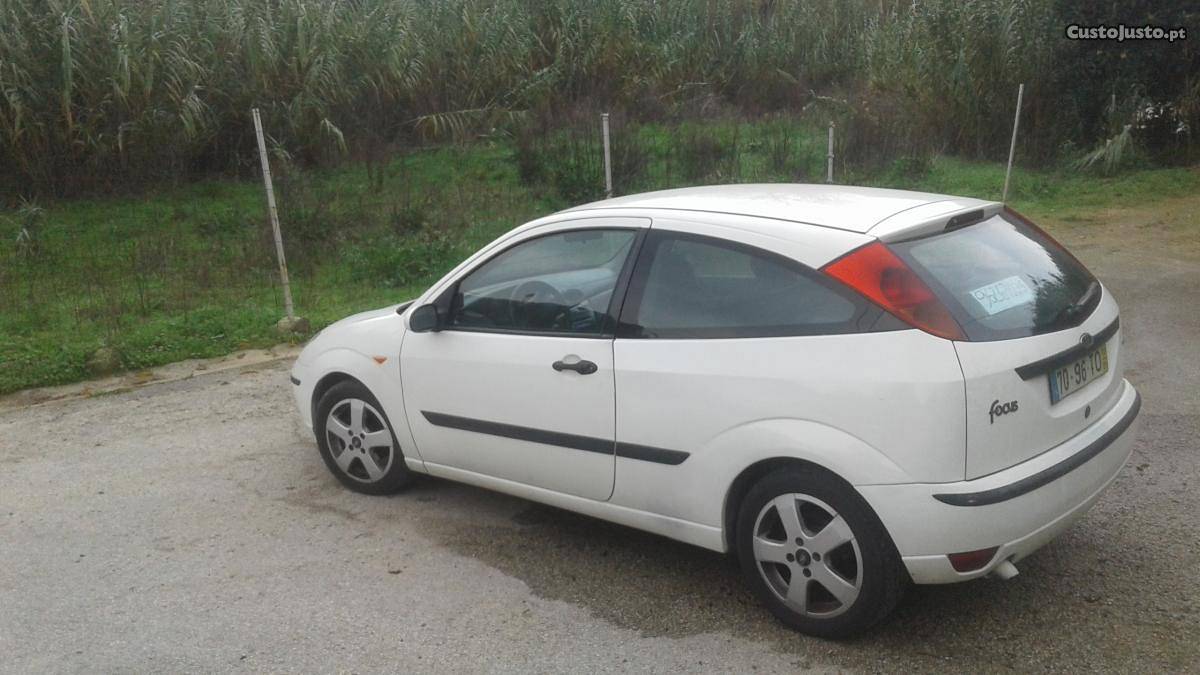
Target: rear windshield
(1003, 279)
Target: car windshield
(1003, 278)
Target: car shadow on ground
(660, 587)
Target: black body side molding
(644, 453)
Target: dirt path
(1149, 257)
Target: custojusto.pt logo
(1121, 32)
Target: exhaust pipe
(1004, 571)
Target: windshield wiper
(1074, 308)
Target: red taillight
(972, 560)
(877, 273)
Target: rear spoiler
(932, 218)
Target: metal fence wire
(99, 275)
(200, 256)
(104, 269)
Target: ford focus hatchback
(850, 389)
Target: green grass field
(188, 272)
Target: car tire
(850, 575)
(356, 440)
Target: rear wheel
(811, 548)
(356, 440)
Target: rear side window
(688, 286)
(1001, 278)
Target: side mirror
(424, 319)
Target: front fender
(382, 379)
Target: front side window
(688, 286)
(558, 283)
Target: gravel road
(190, 526)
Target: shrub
(876, 128)
(28, 221)
(1118, 152)
(788, 157)
(575, 165)
(528, 157)
(705, 156)
(630, 161)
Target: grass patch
(1044, 193)
(189, 271)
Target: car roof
(855, 209)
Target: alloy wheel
(359, 440)
(808, 555)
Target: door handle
(582, 367)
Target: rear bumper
(1019, 509)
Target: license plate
(1074, 376)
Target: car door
(518, 384)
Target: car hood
(370, 315)
(359, 332)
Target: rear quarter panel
(874, 408)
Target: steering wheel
(536, 304)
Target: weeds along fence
(104, 267)
(111, 283)
(569, 158)
(108, 95)
(190, 270)
(150, 289)
(108, 269)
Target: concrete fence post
(608, 189)
(274, 215)
(829, 156)
(1012, 148)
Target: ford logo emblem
(1086, 339)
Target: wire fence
(105, 278)
(191, 271)
(645, 157)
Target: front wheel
(357, 442)
(818, 557)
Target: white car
(850, 388)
